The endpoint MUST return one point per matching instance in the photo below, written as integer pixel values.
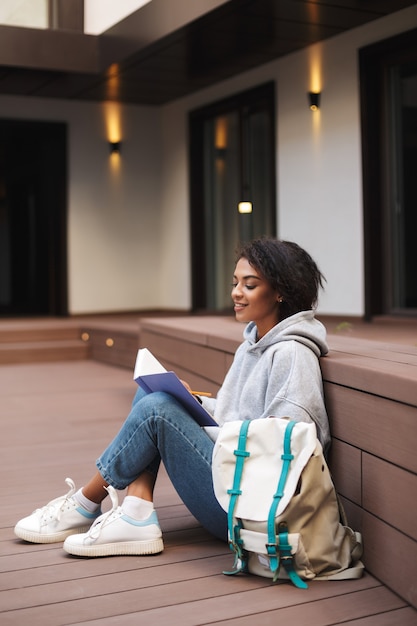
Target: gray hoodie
(279, 375)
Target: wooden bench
(371, 395)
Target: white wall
(175, 260)
(319, 170)
(114, 212)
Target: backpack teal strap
(286, 457)
(286, 556)
(235, 541)
(278, 549)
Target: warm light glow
(115, 164)
(315, 62)
(113, 121)
(220, 132)
(316, 125)
(244, 207)
(113, 82)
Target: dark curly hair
(289, 270)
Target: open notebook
(151, 376)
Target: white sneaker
(57, 520)
(115, 533)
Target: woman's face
(254, 299)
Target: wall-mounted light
(314, 100)
(244, 207)
(115, 147)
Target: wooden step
(112, 344)
(112, 341)
(16, 331)
(43, 351)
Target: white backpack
(284, 517)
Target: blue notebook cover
(170, 383)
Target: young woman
(275, 372)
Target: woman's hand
(186, 385)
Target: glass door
(232, 170)
(388, 83)
(402, 208)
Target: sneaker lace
(114, 513)
(55, 508)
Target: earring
(281, 299)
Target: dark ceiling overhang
(167, 50)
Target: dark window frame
(196, 121)
(374, 62)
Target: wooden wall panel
(223, 334)
(391, 556)
(345, 465)
(395, 380)
(195, 381)
(378, 350)
(390, 493)
(377, 425)
(113, 347)
(207, 362)
(354, 514)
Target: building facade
(127, 218)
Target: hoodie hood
(278, 375)
(302, 327)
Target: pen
(201, 393)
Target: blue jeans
(158, 427)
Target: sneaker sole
(33, 537)
(123, 548)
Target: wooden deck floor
(55, 419)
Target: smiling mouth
(238, 306)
